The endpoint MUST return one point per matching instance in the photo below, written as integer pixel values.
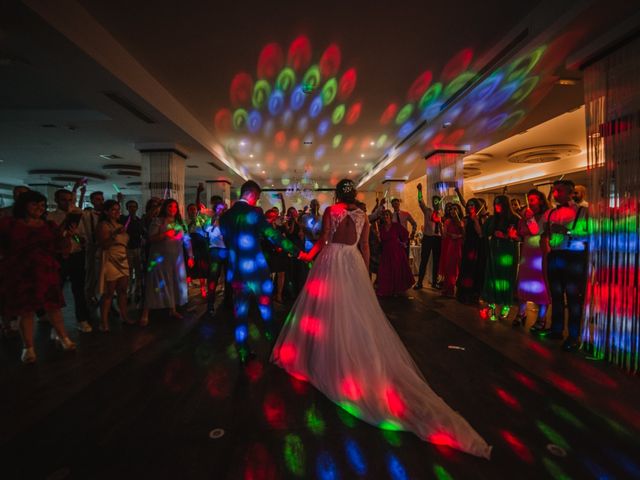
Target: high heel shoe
(28, 355)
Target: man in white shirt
(403, 218)
(567, 235)
(431, 240)
(219, 255)
(72, 268)
(579, 196)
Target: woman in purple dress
(394, 272)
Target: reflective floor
(172, 401)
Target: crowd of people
(504, 259)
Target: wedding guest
(579, 196)
(375, 246)
(403, 218)
(218, 255)
(29, 246)
(431, 239)
(114, 266)
(501, 233)
(532, 282)
(135, 229)
(67, 216)
(17, 191)
(472, 263)
(566, 238)
(277, 259)
(311, 225)
(394, 272)
(87, 230)
(166, 278)
(197, 221)
(452, 240)
(293, 232)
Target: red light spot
(283, 165)
(287, 353)
(517, 446)
(312, 326)
(264, 300)
(294, 145)
(419, 86)
(241, 89)
(457, 64)
(258, 464)
(353, 114)
(218, 384)
(565, 385)
(280, 139)
(348, 145)
(274, 412)
(436, 142)
(351, 388)
(395, 403)
(526, 381)
(254, 370)
(270, 61)
(298, 381)
(454, 138)
(299, 54)
(443, 438)
(388, 114)
(330, 61)
(540, 350)
(222, 120)
(507, 398)
(346, 84)
(316, 288)
(484, 313)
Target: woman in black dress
(471, 276)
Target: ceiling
(271, 90)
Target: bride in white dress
(338, 338)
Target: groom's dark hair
(250, 186)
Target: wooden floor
(147, 404)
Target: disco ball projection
(293, 116)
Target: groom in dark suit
(242, 227)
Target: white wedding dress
(338, 338)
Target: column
(163, 172)
(221, 188)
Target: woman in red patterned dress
(30, 278)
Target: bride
(338, 338)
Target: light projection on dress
(296, 113)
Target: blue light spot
(265, 312)
(531, 286)
(261, 260)
(246, 242)
(355, 457)
(248, 266)
(297, 98)
(287, 119)
(252, 218)
(316, 107)
(276, 102)
(267, 287)
(241, 330)
(269, 127)
(320, 151)
(308, 245)
(159, 259)
(396, 470)
(161, 284)
(255, 121)
(405, 129)
(323, 128)
(326, 467)
(303, 124)
(229, 275)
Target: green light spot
(294, 454)
(338, 114)
(390, 425)
(254, 332)
(232, 353)
(567, 416)
(554, 470)
(392, 437)
(500, 285)
(523, 65)
(285, 181)
(441, 473)
(261, 92)
(329, 91)
(404, 113)
(337, 140)
(311, 79)
(552, 435)
(524, 89)
(505, 260)
(240, 117)
(457, 83)
(326, 167)
(430, 96)
(349, 420)
(286, 79)
(382, 139)
(314, 420)
(350, 408)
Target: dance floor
(172, 401)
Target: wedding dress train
(338, 338)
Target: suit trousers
(72, 268)
(430, 246)
(567, 276)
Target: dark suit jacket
(242, 228)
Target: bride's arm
(324, 237)
(364, 242)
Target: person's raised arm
(421, 203)
(324, 237)
(199, 191)
(414, 225)
(460, 197)
(284, 207)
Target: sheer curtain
(612, 97)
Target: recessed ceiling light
(350, 171)
(263, 171)
(362, 155)
(355, 164)
(372, 143)
(251, 155)
(243, 143)
(257, 164)
(566, 81)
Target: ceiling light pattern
(295, 112)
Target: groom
(242, 227)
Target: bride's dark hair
(346, 191)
